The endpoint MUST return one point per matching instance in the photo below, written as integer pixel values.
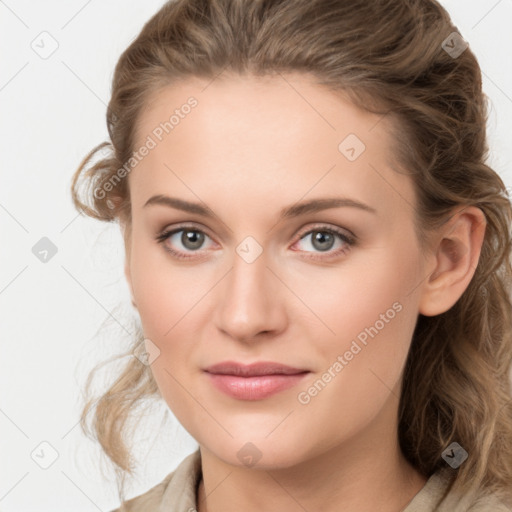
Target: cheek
(155, 301)
(167, 298)
(373, 313)
(369, 308)
(163, 291)
(171, 301)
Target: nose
(251, 301)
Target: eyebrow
(301, 208)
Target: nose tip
(248, 308)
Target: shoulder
(476, 501)
(489, 503)
(149, 501)
(176, 491)
(437, 496)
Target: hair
(388, 57)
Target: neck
(367, 472)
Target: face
(329, 289)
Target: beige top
(177, 493)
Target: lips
(254, 369)
(255, 381)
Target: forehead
(255, 134)
(233, 104)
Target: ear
(455, 256)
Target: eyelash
(346, 239)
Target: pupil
(321, 237)
(192, 239)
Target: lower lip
(254, 388)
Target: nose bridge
(249, 301)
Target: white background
(61, 317)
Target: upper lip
(249, 370)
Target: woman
(318, 254)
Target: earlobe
(456, 258)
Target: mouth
(256, 381)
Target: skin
(251, 147)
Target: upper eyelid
(173, 230)
(327, 227)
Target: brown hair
(391, 57)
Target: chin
(258, 452)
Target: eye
(191, 240)
(182, 242)
(322, 239)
